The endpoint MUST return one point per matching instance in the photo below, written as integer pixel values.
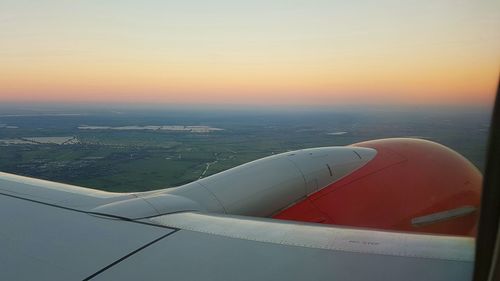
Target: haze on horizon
(250, 52)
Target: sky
(257, 52)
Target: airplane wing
(48, 241)
(52, 231)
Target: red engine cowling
(410, 185)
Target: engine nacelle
(392, 184)
(410, 185)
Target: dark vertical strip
(486, 244)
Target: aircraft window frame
(487, 259)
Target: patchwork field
(136, 150)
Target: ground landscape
(127, 150)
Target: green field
(138, 160)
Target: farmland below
(138, 150)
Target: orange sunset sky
(257, 52)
